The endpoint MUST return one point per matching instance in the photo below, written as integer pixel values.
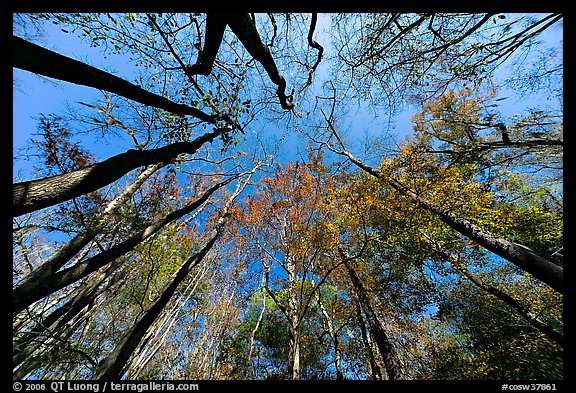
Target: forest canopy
(235, 197)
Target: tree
(434, 257)
(487, 343)
(291, 201)
(518, 254)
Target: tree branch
(34, 58)
(521, 256)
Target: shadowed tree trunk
(374, 370)
(522, 257)
(243, 27)
(31, 57)
(26, 294)
(523, 310)
(112, 367)
(392, 364)
(25, 346)
(34, 195)
(67, 251)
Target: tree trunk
(34, 58)
(391, 361)
(293, 324)
(523, 310)
(245, 30)
(67, 251)
(242, 26)
(24, 346)
(26, 294)
(168, 319)
(34, 195)
(293, 353)
(333, 336)
(374, 370)
(113, 365)
(519, 255)
(256, 327)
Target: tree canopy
(241, 202)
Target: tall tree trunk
(113, 365)
(333, 336)
(46, 339)
(256, 327)
(392, 363)
(26, 294)
(293, 352)
(293, 324)
(25, 345)
(34, 195)
(519, 255)
(242, 26)
(34, 58)
(374, 369)
(523, 310)
(165, 323)
(67, 251)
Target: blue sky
(33, 95)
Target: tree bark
(520, 256)
(26, 294)
(34, 195)
(333, 336)
(392, 363)
(523, 310)
(25, 346)
(293, 353)
(293, 324)
(242, 26)
(67, 251)
(169, 317)
(34, 58)
(374, 370)
(113, 365)
(215, 27)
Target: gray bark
(523, 310)
(34, 58)
(26, 294)
(521, 256)
(113, 365)
(67, 251)
(293, 324)
(34, 195)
